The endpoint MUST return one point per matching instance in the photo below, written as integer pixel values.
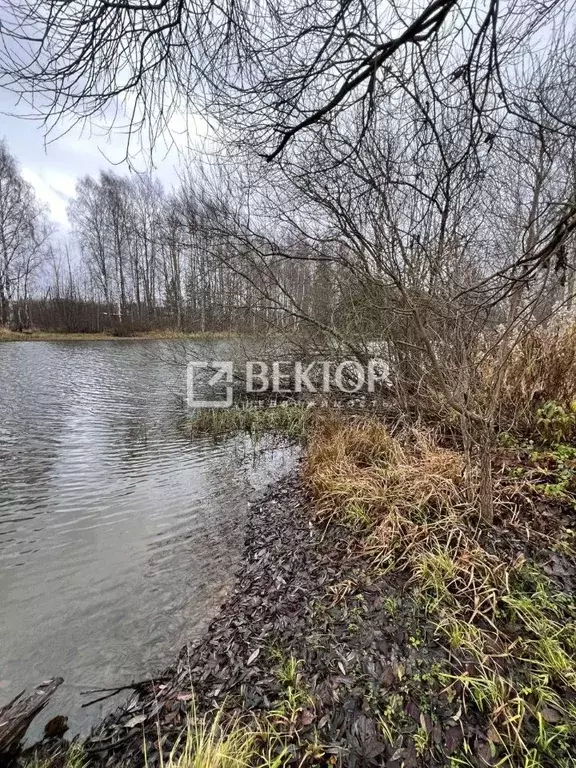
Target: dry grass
(541, 369)
(361, 461)
(404, 496)
(409, 497)
(71, 757)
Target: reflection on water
(118, 534)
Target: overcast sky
(53, 168)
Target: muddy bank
(356, 658)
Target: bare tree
(274, 72)
(23, 233)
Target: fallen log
(15, 717)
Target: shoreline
(306, 630)
(14, 336)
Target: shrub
(556, 424)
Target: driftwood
(16, 716)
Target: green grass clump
(224, 739)
(290, 420)
(218, 743)
(73, 757)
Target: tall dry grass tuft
(360, 460)
(408, 497)
(540, 369)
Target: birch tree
(23, 234)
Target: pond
(119, 534)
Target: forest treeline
(140, 257)
(137, 258)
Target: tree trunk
(485, 488)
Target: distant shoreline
(137, 336)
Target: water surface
(119, 534)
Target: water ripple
(117, 532)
